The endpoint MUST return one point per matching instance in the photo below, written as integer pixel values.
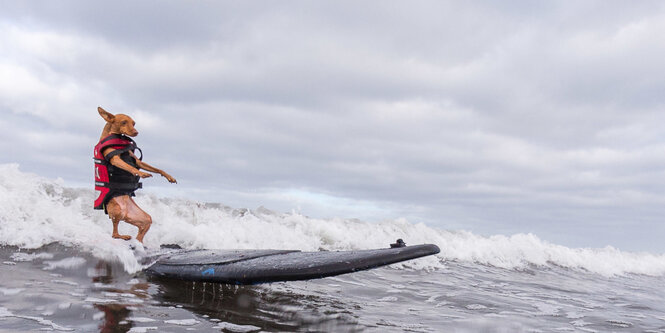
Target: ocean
(61, 271)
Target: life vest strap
(120, 186)
(118, 140)
(117, 152)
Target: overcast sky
(493, 117)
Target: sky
(541, 117)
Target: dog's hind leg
(125, 209)
(116, 234)
(115, 209)
(141, 220)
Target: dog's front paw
(169, 178)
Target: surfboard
(262, 266)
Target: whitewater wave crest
(35, 211)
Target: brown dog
(117, 171)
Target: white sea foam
(141, 319)
(21, 256)
(11, 291)
(237, 328)
(182, 322)
(143, 329)
(35, 211)
(41, 321)
(72, 262)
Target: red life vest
(111, 180)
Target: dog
(117, 174)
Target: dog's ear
(105, 114)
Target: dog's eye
(124, 122)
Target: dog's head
(119, 123)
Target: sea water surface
(61, 271)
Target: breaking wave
(35, 211)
